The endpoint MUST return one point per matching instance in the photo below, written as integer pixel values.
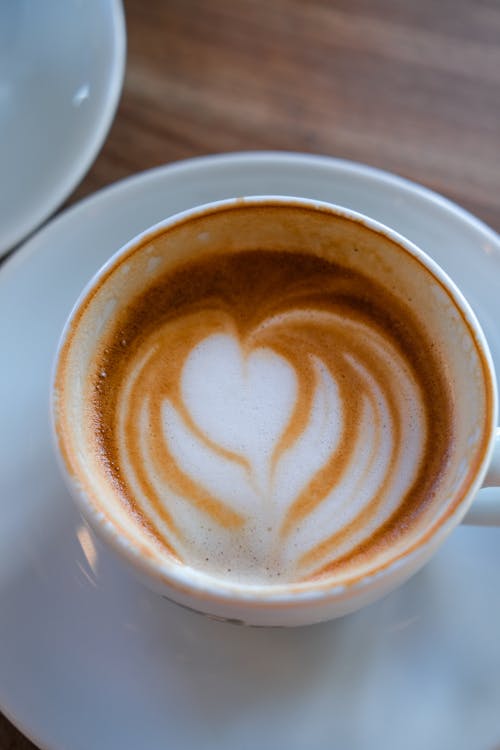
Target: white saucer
(62, 69)
(90, 660)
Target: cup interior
(291, 226)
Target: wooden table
(412, 87)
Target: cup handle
(485, 510)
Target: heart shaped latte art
(272, 431)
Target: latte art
(271, 416)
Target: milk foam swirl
(270, 416)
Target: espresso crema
(270, 417)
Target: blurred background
(412, 87)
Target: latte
(269, 416)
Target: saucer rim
(410, 187)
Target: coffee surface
(271, 417)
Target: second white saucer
(62, 69)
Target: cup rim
(184, 579)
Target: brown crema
(301, 307)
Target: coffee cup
(275, 410)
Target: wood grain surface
(412, 87)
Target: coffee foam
(270, 416)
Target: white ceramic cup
(400, 265)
